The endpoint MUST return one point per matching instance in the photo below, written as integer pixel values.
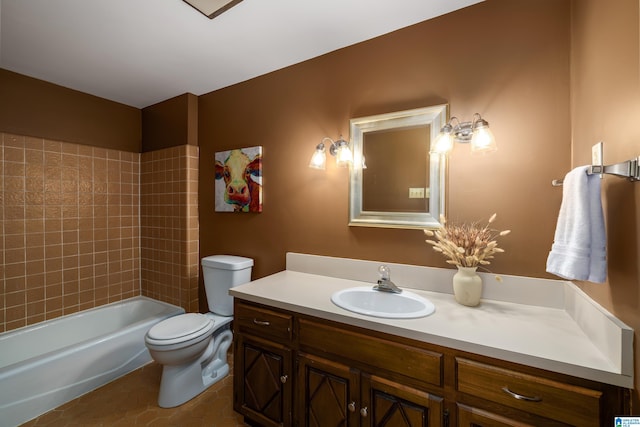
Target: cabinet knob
(352, 407)
(284, 378)
(364, 412)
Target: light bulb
(443, 143)
(483, 140)
(319, 158)
(343, 157)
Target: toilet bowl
(192, 347)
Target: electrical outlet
(416, 193)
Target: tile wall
(69, 217)
(84, 226)
(169, 225)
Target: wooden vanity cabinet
(394, 404)
(491, 392)
(334, 394)
(293, 369)
(327, 393)
(263, 365)
(384, 381)
(559, 401)
(474, 417)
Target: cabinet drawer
(260, 321)
(412, 362)
(563, 402)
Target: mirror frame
(435, 117)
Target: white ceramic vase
(467, 286)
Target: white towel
(579, 247)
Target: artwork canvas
(238, 186)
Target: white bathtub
(47, 364)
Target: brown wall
(506, 59)
(605, 106)
(36, 108)
(170, 123)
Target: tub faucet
(384, 282)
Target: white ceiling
(140, 52)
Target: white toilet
(192, 347)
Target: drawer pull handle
(520, 396)
(363, 411)
(261, 322)
(352, 407)
(284, 378)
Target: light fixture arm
(321, 146)
(333, 145)
(463, 131)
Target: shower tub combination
(47, 364)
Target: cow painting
(239, 180)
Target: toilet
(192, 347)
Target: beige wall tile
(85, 226)
(61, 207)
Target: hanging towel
(579, 246)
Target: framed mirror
(395, 179)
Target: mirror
(402, 185)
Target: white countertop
(548, 337)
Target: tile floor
(131, 401)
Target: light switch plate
(416, 193)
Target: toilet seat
(180, 329)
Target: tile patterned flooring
(132, 401)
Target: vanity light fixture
(476, 132)
(339, 149)
(212, 8)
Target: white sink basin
(365, 300)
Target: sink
(365, 300)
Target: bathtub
(47, 364)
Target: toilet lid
(179, 326)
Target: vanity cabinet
(384, 380)
(395, 404)
(328, 393)
(334, 394)
(295, 369)
(474, 417)
(263, 365)
(559, 401)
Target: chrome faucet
(384, 282)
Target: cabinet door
(386, 403)
(328, 393)
(262, 381)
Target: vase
(467, 286)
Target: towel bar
(629, 169)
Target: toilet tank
(221, 273)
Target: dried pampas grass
(466, 245)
